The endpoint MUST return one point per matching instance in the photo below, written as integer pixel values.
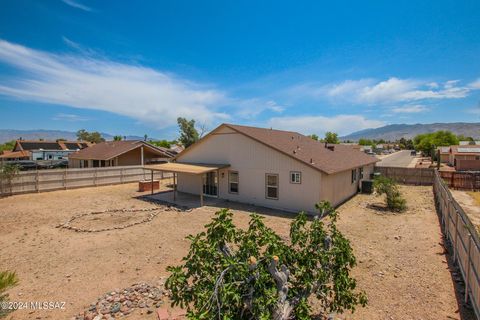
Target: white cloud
(341, 124)
(251, 108)
(475, 84)
(69, 117)
(410, 109)
(76, 4)
(392, 90)
(145, 94)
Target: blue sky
(308, 66)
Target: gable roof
(304, 149)
(15, 154)
(465, 149)
(111, 149)
(49, 145)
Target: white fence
(58, 179)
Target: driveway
(397, 159)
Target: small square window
(295, 177)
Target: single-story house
(465, 157)
(119, 153)
(15, 155)
(444, 153)
(271, 168)
(46, 150)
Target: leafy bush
(230, 273)
(394, 200)
(7, 173)
(7, 280)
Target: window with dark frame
(271, 186)
(233, 182)
(295, 177)
(354, 175)
(361, 173)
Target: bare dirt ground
(402, 266)
(470, 202)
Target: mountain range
(393, 132)
(12, 134)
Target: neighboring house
(47, 150)
(119, 153)
(444, 154)
(465, 157)
(15, 155)
(466, 143)
(271, 168)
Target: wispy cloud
(151, 96)
(392, 90)
(411, 109)
(341, 124)
(77, 5)
(69, 117)
(475, 84)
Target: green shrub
(394, 200)
(7, 280)
(230, 273)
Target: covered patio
(209, 174)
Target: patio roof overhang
(191, 168)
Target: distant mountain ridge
(13, 134)
(408, 131)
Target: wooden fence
(461, 180)
(413, 176)
(463, 236)
(58, 179)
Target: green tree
(428, 142)
(117, 138)
(8, 146)
(163, 143)
(393, 198)
(313, 136)
(231, 273)
(188, 134)
(7, 280)
(94, 137)
(331, 137)
(365, 142)
(461, 137)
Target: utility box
(367, 186)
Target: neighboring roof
(49, 145)
(444, 149)
(465, 143)
(191, 168)
(466, 150)
(15, 154)
(304, 149)
(111, 149)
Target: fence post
(65, 179)
(37, 187)
(95, 177)
(447, 228)
(467, 273)
(455, 241)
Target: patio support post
(174, 186)
(201, 191)
(151, 181)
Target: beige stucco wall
(253, 160)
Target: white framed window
(271, 186)
(232, 181)
(295, 177)
(361, 173)
(354, 175)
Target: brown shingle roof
(307, 150)
(15, 154)
(111, 149)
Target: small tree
(117, 138)
(331, 137)
(188, 134)
(314, 136)
(230, 273)
(394, 200)
(7, 173)
(7, 280)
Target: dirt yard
(402, 266)
(470, 202)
